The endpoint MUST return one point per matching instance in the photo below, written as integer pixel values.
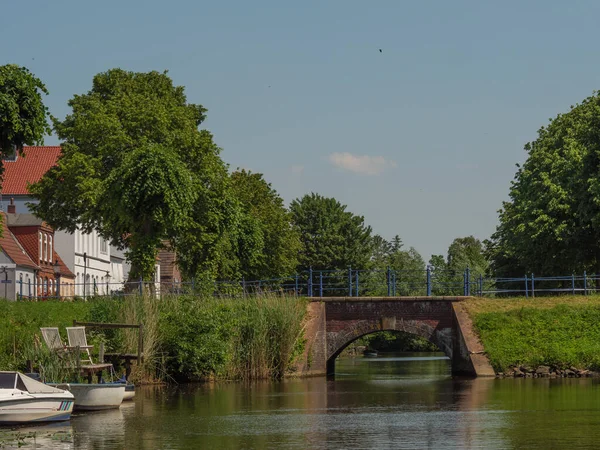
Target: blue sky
(421, 138)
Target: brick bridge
(335, 322)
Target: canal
(406, 401)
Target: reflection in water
(384, 402)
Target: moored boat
(92, 397)
(129, 392)
(25, 400)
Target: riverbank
(539, 337)
(185, 338)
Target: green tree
(331, 237)
(407, 265)
(448, 274)
(136, 168)
(23, 115)
(269, 246)
(551, 224)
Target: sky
(420, 138)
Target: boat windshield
(7, 380)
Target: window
(50, 253)
(40, 239)
(45, 248)
(103, 246)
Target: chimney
(12, 209)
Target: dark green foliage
(408, 266)
(23, 116)
(562, 337)
(551, 224)
(136, 168)
(266, 246)
(448, 274)
(388, 341)
(331, 237)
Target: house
(17, 269)
(98, 267)
(37, 238)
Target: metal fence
(337, 283)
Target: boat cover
(24, 383)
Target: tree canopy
(136, 168)
(551, 224)
(267, 245)
(23, 115)
(330, 236)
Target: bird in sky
(380, 51)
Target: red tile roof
(13, 249)
(28, 168)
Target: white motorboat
(25, 400)
(93, 397)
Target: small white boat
(129, 392)
(93, 397)
(25, 400)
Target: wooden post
(140, 357)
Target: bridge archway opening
(436, 343)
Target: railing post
(320, 283)
(573, 284)
(349, 281)
(394, 283)
(29, 287)
(428, 281)
(480, 285)
(468, 271)
(310, 282)
(296, 284)
(532, 285)
(243, 286)
(526, 287)
(584, 283)
(21, 289)
(357, 284)
(387, 279)
(141, 286)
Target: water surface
(405, 401)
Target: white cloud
(364, 164)
(297, 169)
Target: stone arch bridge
(335, 322)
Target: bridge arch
(338, 341)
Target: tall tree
(407, 265)
(23, 115)
(551, 224)
(467, 252)
(331, 237)
(269, 248)
(136, 168)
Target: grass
(561, 332)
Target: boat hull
(94, 397)
(129, 392)
(29, 410)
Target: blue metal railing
(335, 283)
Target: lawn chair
(77, 338)
(52, 339)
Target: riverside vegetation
(552, 336)
(186, 338)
